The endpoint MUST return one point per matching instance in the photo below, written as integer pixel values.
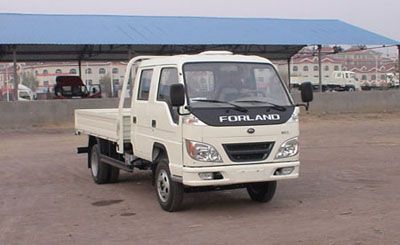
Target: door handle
(153, 123)
(134, 120)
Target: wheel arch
(159, 152)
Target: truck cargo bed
(103, 123)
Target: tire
(351, 89)
(100, 171)
(262, 192)
(113, 175)
(169, 193)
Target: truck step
(115, 163)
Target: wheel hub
(94, 165)
(163, 186)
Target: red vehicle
(72, 87)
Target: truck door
(141, 112)
(165, 119)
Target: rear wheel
(262, 192)
(114, 174)
(98, 169)
(169, 192)
(351, 88)
(102, 173)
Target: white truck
(339, 81)
(199, 122)
(392, 80)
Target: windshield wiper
(237, 107)
(275, 106)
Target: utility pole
(288, 64)
(320, 68)
(398, 61)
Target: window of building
(315, 68)
(89, 82)
(115, 70)
(58, 71)
(383, 77)
(45, 72)
(36, 73)
(72, 71)
(373, 77)
(295, 68)
(144, 84)
(305, 68)
(46, 83)
(326, 68)
(102, 71)
(116, 81)
(336, 68)
(364, 77)
(88, 71)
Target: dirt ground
(348, 193)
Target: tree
(105, 83)
(29, 79)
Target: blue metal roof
(150, 30)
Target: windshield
(233, 82)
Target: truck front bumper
(238, 174)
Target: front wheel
(169, 192)
(262, 192)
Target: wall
(61, 112)
(354, 102)
(46, 112)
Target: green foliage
(105, 83)
(29, 79)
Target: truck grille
(247, 152)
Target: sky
(382, 16)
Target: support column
(15, 73)
(288, 64)
(320, 68)
(80, 68)
(130, 53)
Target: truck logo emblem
(247, 118)
(251, 130)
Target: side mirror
(177, 94)
(306, 92)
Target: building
(305, 64)
(370, 66)
(45, 73)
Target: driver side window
(168, 76)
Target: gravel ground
(348, 193)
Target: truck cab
(209, 121)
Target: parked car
(72, 87)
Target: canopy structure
(37, 37)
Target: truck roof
(209, 56)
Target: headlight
(289, 148)
(202, 152)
